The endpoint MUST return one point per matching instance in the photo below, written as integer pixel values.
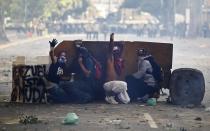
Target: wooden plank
(162, 52)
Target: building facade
(104, 7)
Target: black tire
(187, 86)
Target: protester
(87, 70)
(60, 88)
(54, 76)
(113, 87)
(142, 84)
(90, 71)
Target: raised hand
(112, 37)
(53, 43)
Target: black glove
(112, 37)
(53, 43)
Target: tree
(24, 11)
(17, 11)
(63, 7)
(4, 4)
(151, 6)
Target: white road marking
(151, 122)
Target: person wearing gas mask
(60, 87)
(86, 71)
(55, 76)
(142, 84)
(115, 90)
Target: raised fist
(112, 37)
(53, 43)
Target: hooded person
(86, 62)
(83, 68)
(142, 83)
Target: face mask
(62, 60)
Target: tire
(187, 86)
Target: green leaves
(27, 10)
(151, 6)
(31, 119)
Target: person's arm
(51, 53)
(142, 68)
(52, 56)
(84, 69)
(111, 43)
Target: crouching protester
(142, 84)
(86, 71)
(56, 94)
(60, 88)
(115, 90)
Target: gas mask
(62, 58)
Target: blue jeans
(138, 88)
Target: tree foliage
(55, 8)
(3, 7)
(23, 11)
(151, 6)
(26, 10)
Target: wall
(28, 85)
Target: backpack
(98, 68)
(157, 72)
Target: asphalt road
(105, 117)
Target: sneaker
(111, 100)
(143, 99)
(124, 98)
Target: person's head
(141, 53)
(116, 51)
(82, 51)
(62, 58)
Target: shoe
(111, 100)
(124, 98)
(49, 99)
(143, 99)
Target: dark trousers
(138, 88)
(57, 95)
(74, 92)
(78, 91)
